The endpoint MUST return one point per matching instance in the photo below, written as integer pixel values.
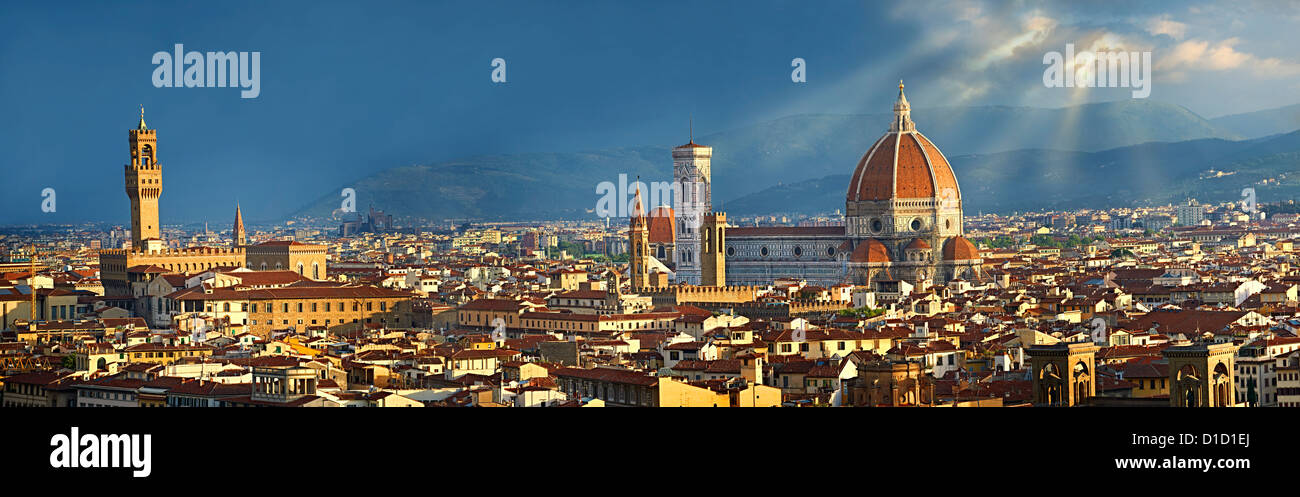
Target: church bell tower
(638, 245)
(692, 170)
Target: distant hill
(1147, 174)
(754, 158)
(1261, 123)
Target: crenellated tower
(143, 184)
(713, 249)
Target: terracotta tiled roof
(870, 250)
(663, 225)
(959, 249)
(902, 165)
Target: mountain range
(1132, 152)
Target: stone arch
(1222, 383)
(1188, 386)
(1082, 378)
(1050, 384)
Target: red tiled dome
(663, 225)
(870, 250)
(918, 244)
(902, 164)
(959, 249)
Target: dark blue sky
(350, 88)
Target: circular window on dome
(731, 251)
(762, 251)
(876, 226)
(916, 224)
(830, 251)
(798, 251)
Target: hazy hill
(1147, 174)
(754, 158)
(1261, 123)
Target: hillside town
(900, 300)
(485, 317)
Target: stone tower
(1202, 375)
(638, 245)
(713, 249)
(1064, 374)
(693, 175)
(241, 238)
(143, 184)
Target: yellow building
(302, 258)
(154, 353)
(673, 393)
(337, 308)
(1148, 379)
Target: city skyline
(507, 210)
